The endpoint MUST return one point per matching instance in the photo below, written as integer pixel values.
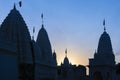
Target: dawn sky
(72, 24)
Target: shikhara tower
(102, 66)
(22, 58)
(16, 47)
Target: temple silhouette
(23, 58)
(102, 66)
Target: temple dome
(104, 52)
(105, 46)
(44, 43)
(43, 40)
(14, 30)
(14, 26)
(66, 61)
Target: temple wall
(8, 65)
(45, 72)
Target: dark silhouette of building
(118, 71)
(102, 66)
(67, 71)
(22, 58)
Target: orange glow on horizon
(74, 57)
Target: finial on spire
(42, 20)
(33, 33)
(14, 7)
(18, 3)
(104, 25)
(66, 52)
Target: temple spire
(42, 20)
(14, 7)
(66, 53)
(33, 33)
(104, 25)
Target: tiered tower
(16, 45)
(102, 66)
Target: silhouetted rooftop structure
(30, 60)
(14, 30)
(102, 66)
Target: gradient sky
(72, 24)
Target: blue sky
(72, 24)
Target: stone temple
(102, 66)
(68, 71)
(22, 58)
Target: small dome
(66, 61)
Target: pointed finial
(14, 7)
(66, 52)
(42, 26)
(33, 33)
(42, 17)
(42, 20)
(54, 54)
(104, 25)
